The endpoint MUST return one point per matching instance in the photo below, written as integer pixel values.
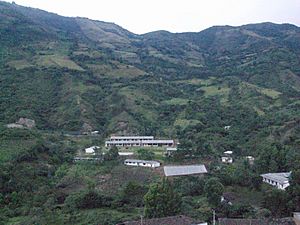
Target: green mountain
(76, 74)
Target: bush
(87, 200)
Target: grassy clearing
(270, 93)
(259, 111)
(176, 101)
(183, 123)
(215, 90)
(118, 70)
(266, 91)
(19, 64)
(196, 81)
(57, 60)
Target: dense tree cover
(161, 200)
(214, 190)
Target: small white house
(227, 127)
(278, 180)
(227, 159)
(91, 150)
(143, 163)
(169, 151)
(250, 159)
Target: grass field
(215, 90)
(183, 123)
(19, 64)
(266, 91)
(57, 60)
(176, 101)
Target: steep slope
(67, 73)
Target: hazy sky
(141, 16)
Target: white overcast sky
(141, 16)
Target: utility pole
(141, 219)
(214, 217)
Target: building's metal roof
(184, 170)
(142, 142)
(141, 161)
(126, 153)
(228, 152)
(270, 221)
(278, 177)
(171, 149)
(171, 220)
(132, 137)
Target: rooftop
(184, 170)
(140, 141)
(171, 220)
(228, 152)
(278, 177)
(280, 221)
(141, 161)
(132, 137)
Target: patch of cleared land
(176, 101)
(117, 70)
(196, 81)
(185, 123)
(19, 64)
(266, 91)
(57, 60)
(215, 90)
(259, 111)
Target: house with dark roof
(280, 221)
(170, 220)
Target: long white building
(278, 180)
(137, 141)
(143, 163)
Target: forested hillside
(72, 75)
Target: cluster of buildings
(137, 141)
(227, 158)
(180, 170)
(278, 180)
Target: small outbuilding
(170, 151)
(143, 163)
(227, 158)
(91, 150)
(250, 159)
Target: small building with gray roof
(184, 170)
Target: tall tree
(161, 200)
(213, 190)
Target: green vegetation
(73, 75)
(161, 200)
